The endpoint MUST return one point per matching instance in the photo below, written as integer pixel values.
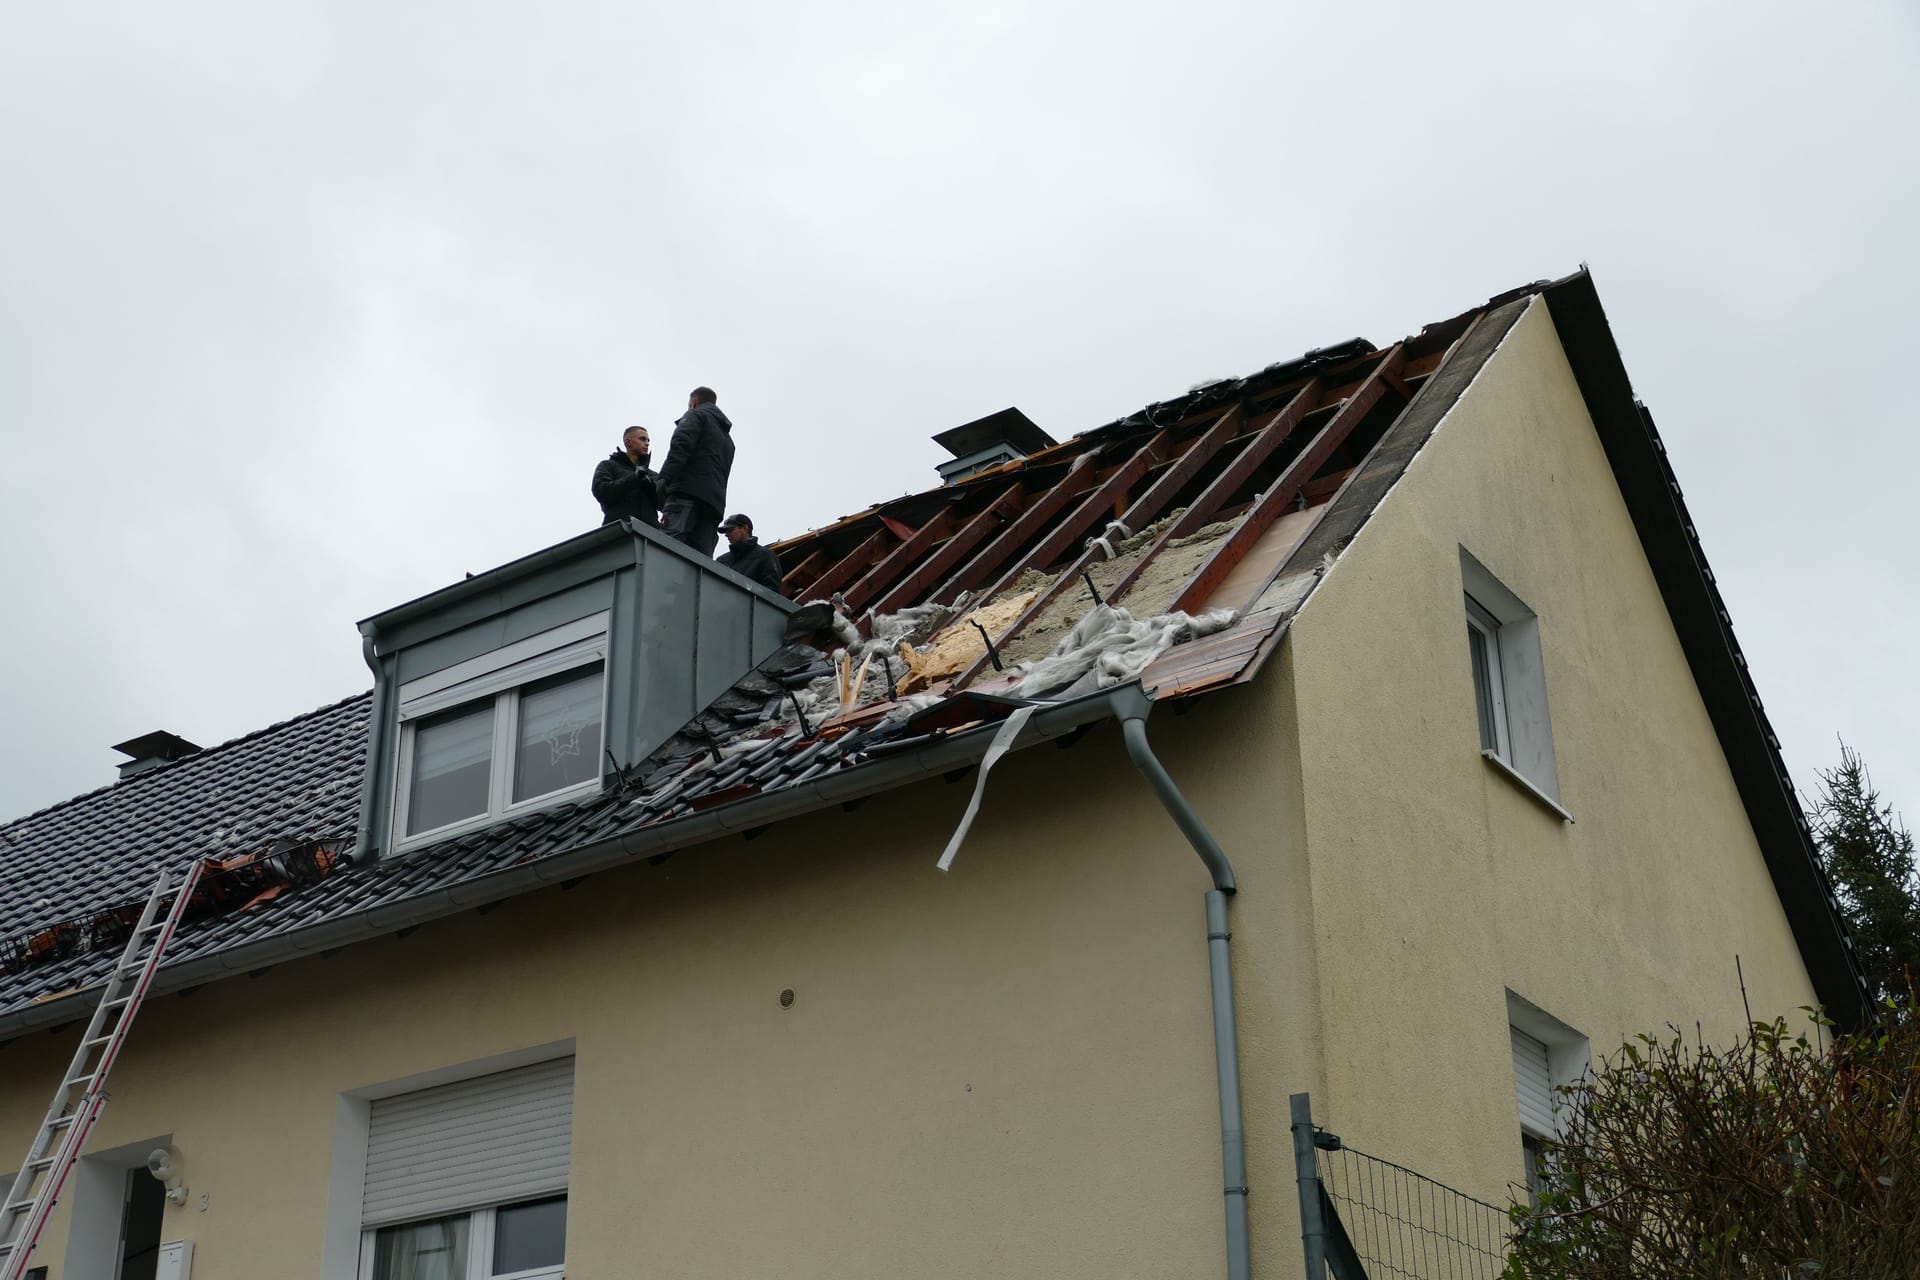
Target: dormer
(520, 688)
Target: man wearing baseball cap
(747, 557)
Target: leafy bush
(1790, 1155)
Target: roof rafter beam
(1144, 511)
(971, 534)
(1257, 450)
(1079, 476)
(1272, 504)
(1106, 498)
(917, 543)
(851, 564)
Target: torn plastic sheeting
(1109, 647)
(1002, 743)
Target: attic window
(509, 731)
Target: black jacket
(626, 491)
(700, 458)
(751, 560)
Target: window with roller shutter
(468, 1181)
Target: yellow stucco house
(605, 936)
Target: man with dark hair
(747, 557)
(624, 485)
(694, 477)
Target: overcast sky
(308, 309)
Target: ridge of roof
(125, 785)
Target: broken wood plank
(1272, 504)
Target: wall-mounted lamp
(160, 1165)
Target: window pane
(422, 1251)
(1477, 644)
(526, 1236)
(452, 762)
(559, 733)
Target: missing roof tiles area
(1169, 547)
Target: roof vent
(988, 442)
(151, 750)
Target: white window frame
(1569, 1055)
(1509, 632)
(1484, 629)
(480, 1225)
(498, 676)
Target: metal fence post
(1306, 1173)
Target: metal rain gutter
(1132, 705)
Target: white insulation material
(1109, 647)
(1002, 743)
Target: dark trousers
(693, 524)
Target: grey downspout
(370, 782)
(1131, 705)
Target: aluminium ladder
(26, 1210)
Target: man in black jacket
(624, 485)
(747, 557)
(693, 480)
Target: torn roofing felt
(1172, 546)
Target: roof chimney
(988, 442)
(151, 750)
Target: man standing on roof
(624, 485)
(747, 557)
(694, 476)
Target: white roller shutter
(1533, 1084)
(469, 1144)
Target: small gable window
(1509, 685)
(517, 728)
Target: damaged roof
(1171, 546)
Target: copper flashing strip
(1272, 504)
(908, 590)
(1256, 451)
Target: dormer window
(520, 687)
(511, 730)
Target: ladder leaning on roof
(24, 1215)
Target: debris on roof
(1172, 546)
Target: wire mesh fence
(1399, 1223)
(1364, 1218)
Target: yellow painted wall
(1007, 1070)
(1437, 882)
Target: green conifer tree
(1869, 855)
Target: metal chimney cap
(1009, 426)
(151, 750)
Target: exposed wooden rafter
(1079, 476)
(1257, 450)
(1144, 511)
(915, 545)
(909, 590)
(1273, 504)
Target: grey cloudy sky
(308, 309)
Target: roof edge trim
(1747, 742)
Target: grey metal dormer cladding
(680, 629)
